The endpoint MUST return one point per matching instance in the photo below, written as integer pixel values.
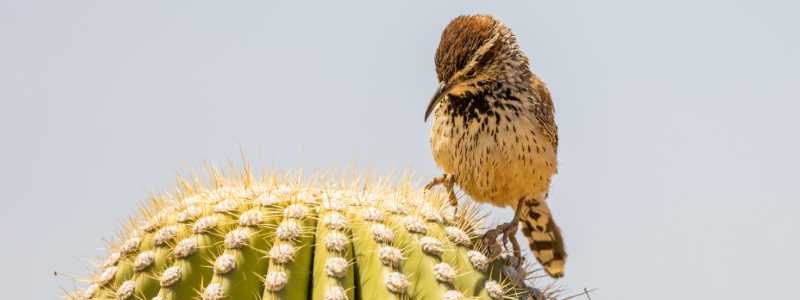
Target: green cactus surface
(281, 235)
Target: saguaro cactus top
(280, 236)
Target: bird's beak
(441, 91)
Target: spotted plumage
(494, 131)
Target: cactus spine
(281, 237)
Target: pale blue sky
(678, 120)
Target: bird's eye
(470, 73)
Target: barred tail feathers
(544, 237)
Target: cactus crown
(236, 235)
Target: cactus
(279, 236)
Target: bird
(494, 134)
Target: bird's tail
(544, 237)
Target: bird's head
(475, 53)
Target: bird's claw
(508, 232)
(448, 180)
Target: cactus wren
(494, 134)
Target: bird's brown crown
(460, 40)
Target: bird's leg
(509, 231)
(448, 180)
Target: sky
(678, 120)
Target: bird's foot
(448, 180)
(508, 232)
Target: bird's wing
(544, 111)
